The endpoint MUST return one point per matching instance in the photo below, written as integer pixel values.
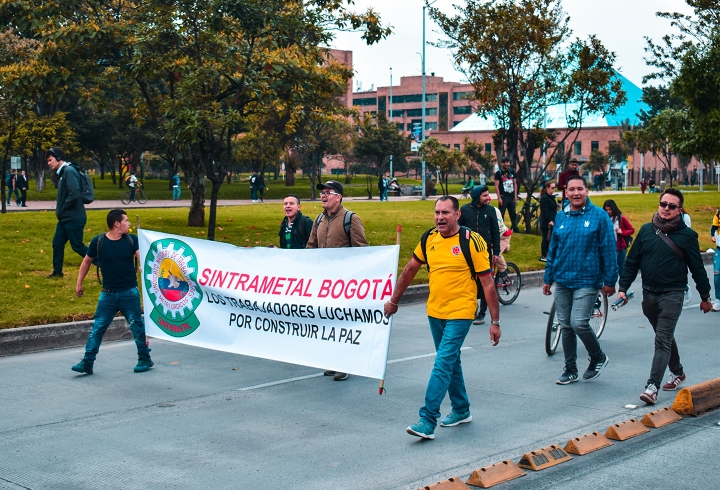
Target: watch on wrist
(495, 322)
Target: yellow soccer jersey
(453, 293)
(716, 224)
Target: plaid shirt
(582, 249)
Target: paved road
(194, 421)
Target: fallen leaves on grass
(220, 228)
(27, 286)
(42, 251)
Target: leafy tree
(377, 140)
(438, 156)
(596, 163)
(476, 153)
(517, 56)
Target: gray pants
(663, 311)
(574, 308)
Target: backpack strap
(670, 244)
(465, 249)
(101, 238)
(423, 245)
(347, 220)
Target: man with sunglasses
(332, 229)
(663, 252)
(581, 261)
(69, 209)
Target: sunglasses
(669, 205)
(329, 193)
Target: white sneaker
(688, 296)
(715, 305)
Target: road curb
(24, 340)
(698, 399)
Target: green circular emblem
(170, 274)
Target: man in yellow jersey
(449, 250)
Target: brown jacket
(331, 232)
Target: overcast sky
(620, 24)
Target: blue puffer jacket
(582, 249)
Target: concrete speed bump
(698, 399)
(661, 417)
(587, 444)
(489, 476)
(544, 458)
(453, 483)
(626, 430)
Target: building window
(488, 147)
(430, 97)
(395, 113)
(414, 112)
(461, 95)
(455, 123)
(431, 126)
(400, 126)
(365, 101)
(404, 99)
(382, 100)
(431, 111)
(577, 148)
(457, 146)
(594, 145)
(466, 109)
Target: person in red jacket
(564, 176)
(623, 232)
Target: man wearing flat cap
(335, 227)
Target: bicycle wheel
(552, 333)
(125, 197)
(141, 196)
(509, 288)
(599, 315)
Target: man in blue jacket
(582, 260)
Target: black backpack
(464, 248)
(101, 239)
(87, 194)
(381, 183)
(346, 223)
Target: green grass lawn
(158, 189)
(25, 241)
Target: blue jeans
(384, 194)
(176, 193)
(621, 261)
(716, 272)
(127, 303)
(10, 193)
(68, 231)
(446, 376)
(574, 308)
(253, 193)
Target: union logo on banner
(170, 272)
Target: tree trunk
(289, 175)
(215, 190)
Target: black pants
(23, 199)
(663, 311)
(65, 231)
(545, 244)
(508, 202)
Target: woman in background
(623, 232)
(548, 210)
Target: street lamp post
(422, 127)
(390, 120)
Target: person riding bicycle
(581, 261)
(133, 183)
(468, 187)
(481, 218)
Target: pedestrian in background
(22, 184)
(623, 232)
(177, 190)
(663, 252)
(253, 186)
(506, 189)
(69, 210)
(548, 210)
(260, 183)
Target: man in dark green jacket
(69, 209)
(664, 265)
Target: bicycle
(597, 323)
(508, 286)
(140, 196)
(534, 209)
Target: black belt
(109, 291)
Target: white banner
(321, 308)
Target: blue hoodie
(582, 249)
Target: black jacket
(482, 220)
(299, 234)
(69, 205)
(21, 182)
(548, 210)
(662, 269)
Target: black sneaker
(479, 320)
(567, 377)
(593, 370)
(341, 376)
(84, 366)
(55, 275)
